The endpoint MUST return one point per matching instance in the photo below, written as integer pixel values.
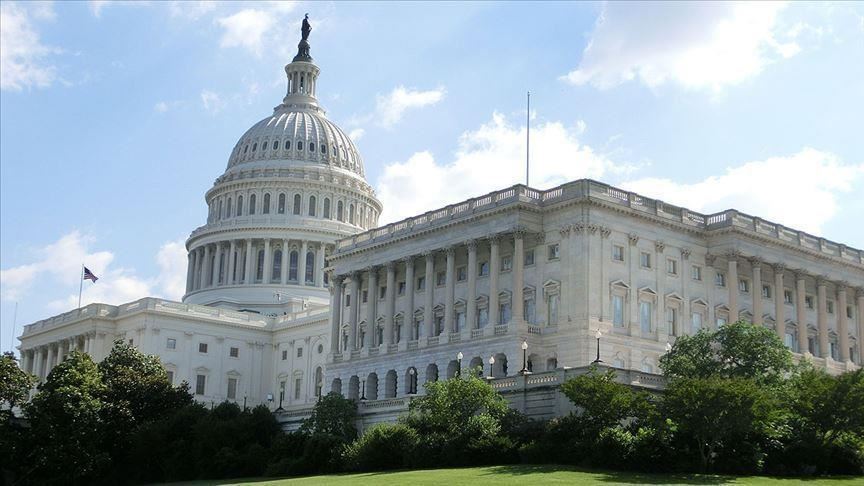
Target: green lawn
(526, 476)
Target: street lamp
(363, 392)
(491, 367)
(270, 400)
(668, 347)
(598, 335)
(412, 382)
(459, 357)
(244, 403)
(524, 370)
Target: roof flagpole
(80, 285)
(528, 141)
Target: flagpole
(528, 140)
(80, 285)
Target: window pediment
(619, 284)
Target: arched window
(239, 205)
(319, 381)
(324, 149)
(339, 211)
(287, 144)
(299, 145)
(326, 208)
(275, 144)
(219, 210)
(246, 148)
(351, 213)
(277, 266)
(311, 146)
(312, 204)
(252, 204)
(255, 146)
(310, 267)
(296, 203)
(281, 208)
(266, 208)
(228, 212)
(292, 267)
(264, 147)
(259, 272)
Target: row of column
(40, 360)
(241, 264)
(337, 289)
(841, 294)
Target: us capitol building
(293, 290)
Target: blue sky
(115, 118)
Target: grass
(523, 475)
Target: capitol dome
(294, 185)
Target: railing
(501, 330)
(534, 329)
(455, 337)
(476, 333)
(374, 351)
(432, 340)
(412, 346)
(385, 403)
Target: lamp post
(598, 335)
(269, 400)
(668, 347)
(281, 396)
(524, 369)
(412, 382)
(363, 392)
(491, 367)
(244, 403)
(459, 357)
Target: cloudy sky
(116, 117)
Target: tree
(333, 415)
(603, 401)
(739, 350)
(15, 383)
(66, 424)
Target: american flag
(88, 275)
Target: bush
(384, 446)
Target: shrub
(383, 446)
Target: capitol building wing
(293, 290)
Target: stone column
(283, 273)
(471, 304)
(190, 270)
(301, 263)
(860, 339)
(249, 279)
(335, 312)
(633, 265)
(779, 304)
(518, 277)
(732, 284)
(409, 297)
(318, 274)
(196, 270)
(494, 269)
(430, 294)
(371, 311)
(218, 264)
(352, 310)
(822, 317)
(39, 356)
(208, 268)
(268, 263)
(842, 323)
(390, 306)
(450, 289)
(756, 291)
(801, 312)
(232, 263)
(49, 362)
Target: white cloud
(96, 7)
(389, 109)
(58, 265)
(212, 101)
(23, 61)
(160, 107)
(246, 28)
(191, 10)
(800, 190)
(356, 134)
(696, 45)
(489, 158)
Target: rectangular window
(787, 296)
(766, 291)
(401, 288)
(553, 251)
(421, 283)
(232, 388)
(645, 314)
(552, 310)
(672, 320)
(645, 260)
(483, 269)
(529, 257)
(382, 292)
(506, 263)
(696, 272)
(461, 274)
(528, 310)
(720, 279)
(284, 354)
(849, 311)
(299, 352)
(365, 296)
(170, 376)
(830, 306)
(281, 390)
(234, 352)
(439, 324)
(171, 343)
(298, 386)
(721, 321)
(744, 286)
(440, 278)
(460, 321)
(504, 313)
(618, 311)
(482, 317)
(672, 266)
(808, 301)
(695, 322)
(200, 382)
(617, 253)
(789, 340)
(202, 347)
